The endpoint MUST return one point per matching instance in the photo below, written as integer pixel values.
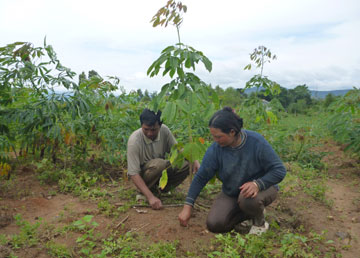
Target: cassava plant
(344, 122)
(260, 56)
(27, 74)
(35, 119)
(186, 97)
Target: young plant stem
(190, 140)
(178, 33)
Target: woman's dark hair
(149, 117)
(225, 120)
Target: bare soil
(340, 220)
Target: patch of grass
(3, 239)
(125, 193)
(133, 245)
(46, 172)
(7, 185)
(274, 243)
(289, 186)
(308, 180)
(27, 237)
(121, 246)
(58, 250)
(108, 209)
(87, 242)
(81, 184)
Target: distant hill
(322, 94)
(314, 93)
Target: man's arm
(152, 199)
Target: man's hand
(249, 190)
(185, 215)
(155, 203)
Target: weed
(124, 193)
(234, 245)
(106, 208)
(47, 173)
(87, 241)
(3, 239)
(58, 250)
(289, 244)
(84, 224)
(28, 235)
(121, 246)
(128, 245)
(161, 249)
(125, 207)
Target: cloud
(316, 41)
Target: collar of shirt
(243, 136)
(148, 141)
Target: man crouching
(146, 151)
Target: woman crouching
(249, 170)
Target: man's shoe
(258, 230)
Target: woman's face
(223, 139)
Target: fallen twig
(136, 229)
(200, 207)
(121, 222)
(164, 205)
(112, 180)
(203, 205)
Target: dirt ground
(341, 220)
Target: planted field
(93, 213)
(64, 190)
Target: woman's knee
(251, 206)
(216, 225)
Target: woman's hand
(185, 215)
(196, 166)
(249, 189)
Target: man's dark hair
(225, 120)
(149, 117)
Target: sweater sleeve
(271, 163)
(207, 171)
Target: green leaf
(87, 218)
(188, 63)
(169, 113)
(207, 63)
(215, 100)
(183, 106)
(163, 180)
(193, 151)
(182, 89)
(174, 155)
(168, 49)
(172, 72)
(174, 61)
(248, 67)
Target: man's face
(151, 131)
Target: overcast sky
(316, 41)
